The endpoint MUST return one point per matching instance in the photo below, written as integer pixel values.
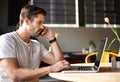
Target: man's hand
(60, 65)
(47, 33)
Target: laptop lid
(100, 52)
(75, 69)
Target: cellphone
(41, 32)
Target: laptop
(95, 68)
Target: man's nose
(42, 26)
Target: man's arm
(56, 55)
(10, 65)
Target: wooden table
(106, 74)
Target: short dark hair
(30, 11)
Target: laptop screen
(100, 51)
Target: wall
(74, 39)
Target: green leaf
(91, 43)
(111, 43)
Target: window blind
(60, 13)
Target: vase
(119, 52)
(113, 62)
(116, 60)
(91, 49)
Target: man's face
(36, 26)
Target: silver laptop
(95, 68)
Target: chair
(105, 58)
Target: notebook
(95, 68)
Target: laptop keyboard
(81, 68)
(85, 68)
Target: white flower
(106, 19)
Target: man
(20, 56)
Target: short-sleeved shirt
(28, 54)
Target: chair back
(105, 57)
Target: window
(97, 10)
(60, 13)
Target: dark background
(90, 11)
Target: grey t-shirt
(28, 54)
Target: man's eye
(40, 23)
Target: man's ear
(27, 20)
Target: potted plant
(92, 45)
(117, 38)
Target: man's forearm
(26, 74)
(57, 51)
